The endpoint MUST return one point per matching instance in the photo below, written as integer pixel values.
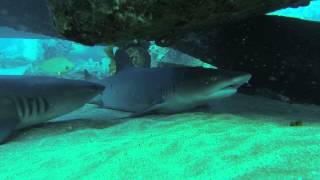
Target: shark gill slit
(37, 104)
(16, 105)
(26, 106)
(30, 105)
(41, 105)
(20, 107)
(46, 104)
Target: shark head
(225, 83)
(197, 86)
(38, 99)
(211, 83)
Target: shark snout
(93, 89)
(96, 87)
(229, 85)
(240, 80)
(86, 88)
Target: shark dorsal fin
(87, 75)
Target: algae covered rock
(109, 21)
(28, 16)
(129, 54)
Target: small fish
(57, 66)
(168, 90)
(27, 101)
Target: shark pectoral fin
(202, 108)
(153, 109)
(150, 110)
(102, 106)
(7, 127)
(97, 103)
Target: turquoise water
(18, 56)
(310, 12)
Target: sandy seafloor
(240, 137)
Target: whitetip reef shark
(31, 100)
(167, 90)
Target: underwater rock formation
(281, 53)
(100, 21)
(129, 54)
(27, 15)
(133, 54)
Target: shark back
(30, 100)
(137, 89)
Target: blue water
(311, 12)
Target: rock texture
(27, 15)
(109, 21)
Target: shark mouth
(233, 86)
(230, 87)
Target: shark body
(30, 100)
(168, 90)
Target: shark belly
(177, 103)
(129, 103)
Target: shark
(167, 90)
(29, 100)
